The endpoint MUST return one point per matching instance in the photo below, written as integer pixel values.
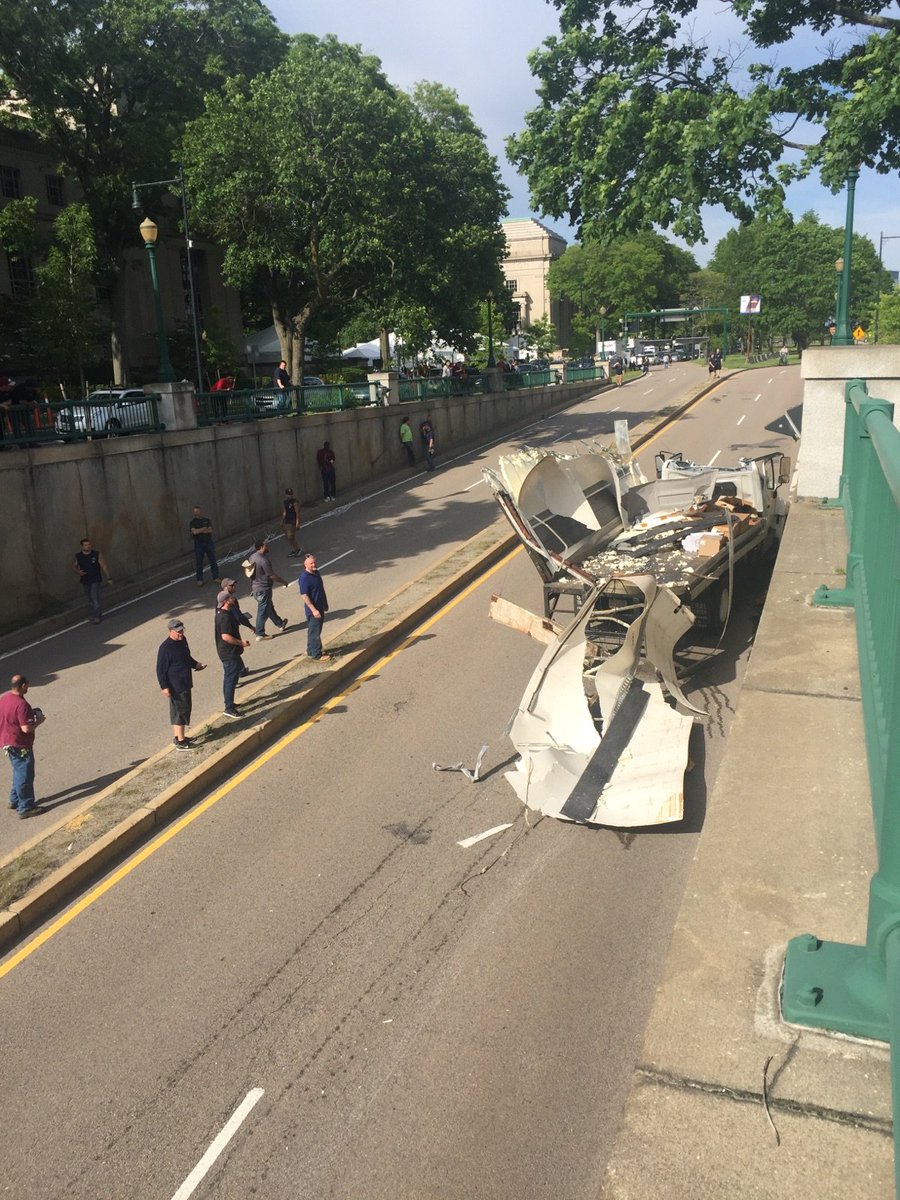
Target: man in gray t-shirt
(261, 583)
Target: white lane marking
(473, 485)
(563, 437)
(612, 410)
(793, 426)
(714, 457)
(479, 837)
(336, 559)
(771, 380)
(648, 391)
(219, 1143)
(759, 397)
(743, 419)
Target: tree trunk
(384, 339)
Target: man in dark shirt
(325, 461)
(315, 605)
(282, 379)
(426, 429)
(18, 721)
(201, 532)
(261, 582)
(230, 646)
(174, 663)
(290, 521)
(90, 566)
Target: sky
(480, 49)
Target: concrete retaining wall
(133, 496)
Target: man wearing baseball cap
(174, 664)
(229, 591)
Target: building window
(10, 183)
(512, 285)
(21, 274)
(56, 190)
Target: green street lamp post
(844, 337)
(149, 233)
(603, 311)
(491, 361)
(192, 292)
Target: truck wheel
(719, 605)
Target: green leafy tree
(791, 264)
(540, 337)
(108, 86)
(630, 275)
(888, 323)
(639, 123)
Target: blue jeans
(231, 669)
(21, 795)
(314, 636)
(92, 594)
(265, 611)
(204, 549)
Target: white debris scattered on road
(473, 775)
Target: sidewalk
(787, 848)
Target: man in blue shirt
(174, 664)
(315, 604)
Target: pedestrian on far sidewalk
(426, 429)
(262, 581)
(174, 664)
(204, 549)
(290, 521)
(18, 721)
(325, 460)
(230, 647)
(406, 441)
(229, 588)
(90, 566)
(315, 605)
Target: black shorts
(180, 708)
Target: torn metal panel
(632, 773)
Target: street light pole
(491, 361)
(893, 237)
(603, 311)
(149, 233)
(844, 337)
(195, 326)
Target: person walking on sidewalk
(290, 521)
(202, 533)
(230, 647)
(426, 429)
(617, 367)
(261, 583)
(406, 441)
(174, 664)
(90, 566)
(18, 721)
(325, 462)
(315, 605)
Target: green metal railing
(23, 425)
(829, 985)
(410, 390)
(257, 404)
(584, 374)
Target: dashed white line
(612, 410)
(771, 379)
(742, 419)
(759, 397)
(648, 391)
(793, 426)
(479, 837)
(473, 485)
(714, 457)
(337, 559)
(232, 1125)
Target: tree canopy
(640, 123)
(337, 191)
(630, 275)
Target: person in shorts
(174, 667)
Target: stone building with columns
(531, 248)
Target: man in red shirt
(18, 721)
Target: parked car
(112, 411)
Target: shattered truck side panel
(622, 764)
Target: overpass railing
(256, 404)
(30, 425)
(848, 988)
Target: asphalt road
(423, 1019)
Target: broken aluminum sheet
(632, 775)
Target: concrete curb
(60, 885)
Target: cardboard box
(710, 543)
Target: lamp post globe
(150, 232)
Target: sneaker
(95, 620)
(185, 745)
(262, 637)
(232, 712)
(36, 810)
(199, 583)
(284, 624)
(293, 554)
